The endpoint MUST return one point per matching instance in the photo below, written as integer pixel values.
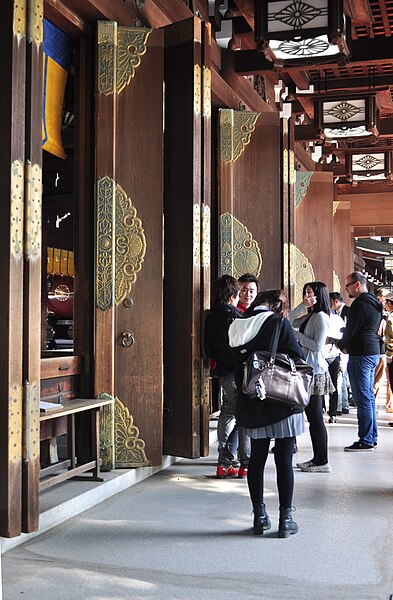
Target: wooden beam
(366, 188)
(384, 101)
(307, 133)
(360, 12)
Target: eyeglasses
(351, 283)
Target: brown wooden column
(32, 273)
(105, 128)
(12, 149)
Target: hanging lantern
(346, 117)
(366, 166)
(297, 32)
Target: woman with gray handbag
(262, 418)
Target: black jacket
(252, 412)
(360, 336)
(216, 336)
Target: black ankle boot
(261, 519)
(286, 525)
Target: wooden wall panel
(314, 226)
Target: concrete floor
(184, 534)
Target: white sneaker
(316, 468)
(304, 464)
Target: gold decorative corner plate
(129, 448)
(106, 57)
(35, 21)
(131, 45)
(235, 129)
(31, 422)
(20, 18)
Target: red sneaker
(232, 472)
(242, 472)
(223, 472)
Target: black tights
(318, 433)
(283, 453)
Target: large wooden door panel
(139, 172)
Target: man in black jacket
(223, 312)
(360, 340)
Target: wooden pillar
(314, 227)
(342, 244)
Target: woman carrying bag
(262, 419)
(310, 321)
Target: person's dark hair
(274, 299)
(224, 288)
(249, 278)
(336, 296)
(381, 291)
(321, 293)
(358, 276)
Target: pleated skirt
(289, 427)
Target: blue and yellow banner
(57, 60)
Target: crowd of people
(348, 347)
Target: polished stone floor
(183, 534)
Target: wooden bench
(69, 466)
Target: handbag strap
(274, 340)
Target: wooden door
(129, 264)
(187, 235)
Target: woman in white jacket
(310, 321)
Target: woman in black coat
(265, 420)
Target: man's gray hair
(358, 276)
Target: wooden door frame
(12, 157)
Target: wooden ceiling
(369, 68)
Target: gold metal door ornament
(31, 421)
(105, 240)
(129, 447)
(33, 201)
(121, 244)
(130, 245)
(107, 434)
(239, 252)
(15, 395)
(301, 270)
(131, 45)
(19, 25)
(35, 21)
(17, 217)
(302, 181)
(235, 129)
(119, 55)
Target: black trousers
(334, 368)
(318, 433)
(283, 454)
